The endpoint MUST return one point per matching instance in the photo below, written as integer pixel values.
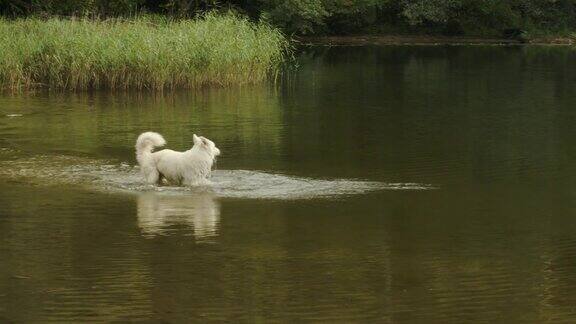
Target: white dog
(192, 167)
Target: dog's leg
(152, 175)
(161, 179)
(185, 182)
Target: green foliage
(70, 7)
(299, 16)
(477, 17)
(490, 16)
(305, 17)
(143, 53)
(350, 16)
(429, 11)
(320, 16)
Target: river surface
(369, 184)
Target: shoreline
(425, 40)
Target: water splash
(108, 176)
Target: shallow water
(102, 175)
(392, 184)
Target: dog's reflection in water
(198, 214)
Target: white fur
(192, 167)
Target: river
(427, 184)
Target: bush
(305, 17)
(70, 7)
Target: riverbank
(361, 40)
(141, 53)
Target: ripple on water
(104, 175)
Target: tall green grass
(141, 53)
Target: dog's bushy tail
(146, 142)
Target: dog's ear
(197, 140)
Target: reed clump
(141, 53)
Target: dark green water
(395, 184)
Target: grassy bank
(141, 53)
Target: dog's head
(206, 145)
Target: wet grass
(140, 53)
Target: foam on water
(109, 176)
